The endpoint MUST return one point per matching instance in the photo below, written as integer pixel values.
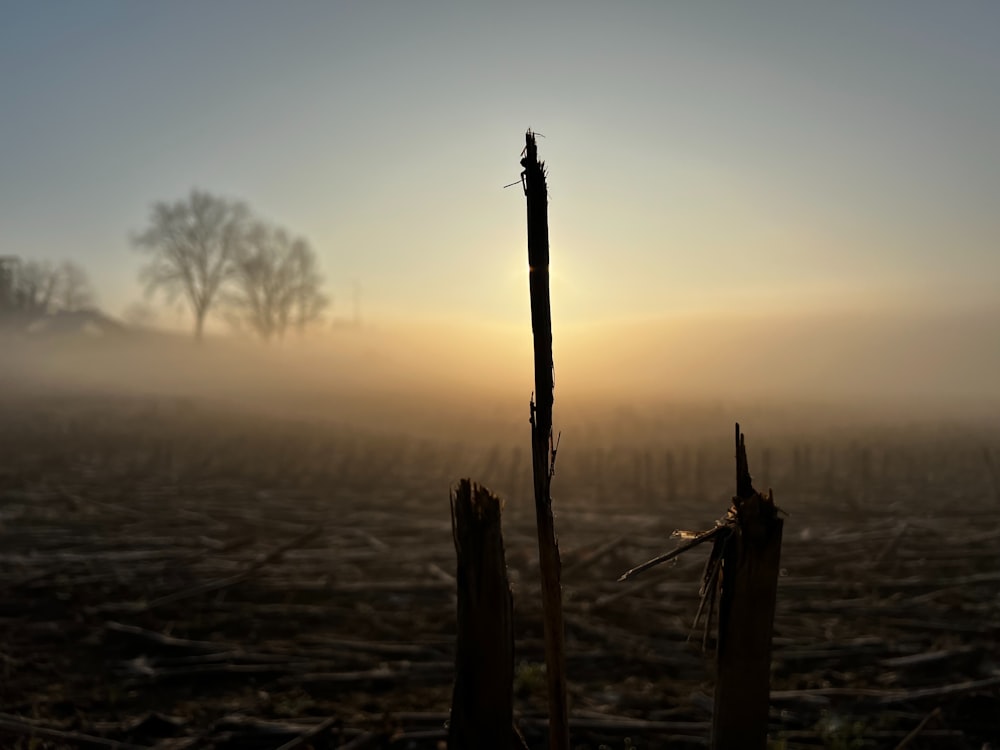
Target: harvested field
(179, 577)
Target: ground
(178, 575)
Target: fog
(473, 382)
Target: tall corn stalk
(542, 449)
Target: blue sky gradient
(702, 156)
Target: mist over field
(448, 378)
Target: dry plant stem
(891, 697)
(482, 709)
(541, 442)
(750, 568)
(306, 737)
(908, 739)
(368, 741)
(701, 538)
(16, 726)
(210, 586)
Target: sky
(703, 157)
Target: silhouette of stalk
(750, 567)
(482, 704)
(542, 449)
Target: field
(179, 575)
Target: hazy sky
(795, 155)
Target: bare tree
(192, 244)
(308, 300)
(8, 283)
(276, 284)
(35, 286)
(73, 291)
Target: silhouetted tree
(276, 283)
(35, 286)
(192, 244)
(8, 279)
(73, 291)
(308, 300)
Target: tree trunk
(199, 324)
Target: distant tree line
(214, 253)
(32, 288)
